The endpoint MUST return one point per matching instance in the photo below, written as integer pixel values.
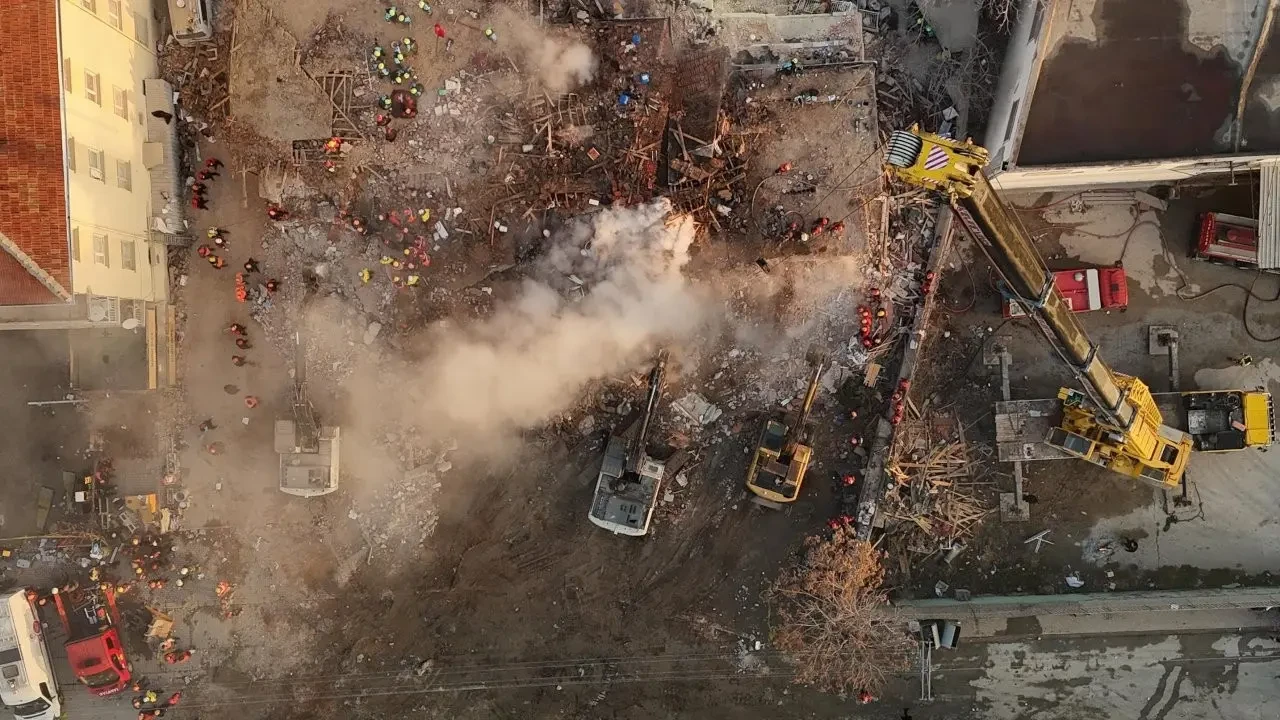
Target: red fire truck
(92, 622)
(1086, 290)
(1229, 239)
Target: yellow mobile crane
(1115, 423)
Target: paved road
(1150, 676)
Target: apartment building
(88, 185)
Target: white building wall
(1137, 173)
(108, 49)
(1012, 103)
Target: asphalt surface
(1052, 671)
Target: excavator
(308, 450)
(1115, 422)
(627, 486)
(782, 456)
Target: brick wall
(33, 211)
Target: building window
(75, 244)
(141, 29)
(92, 87)
(90, 5)
(121, 98)
(1013, 120)
(97, 165)
(66, 74)
(71, 153)
(101, 253)
(114, 16)
(1036, 20)
(124, 175)
(128, 255)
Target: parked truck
(92, 623)
(1227, 239)
(1085, 290)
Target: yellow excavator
(782, 456)
(1115, 421)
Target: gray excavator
(308, 450)
(627, 487)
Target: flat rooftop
(1151, 79)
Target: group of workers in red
(199, 189)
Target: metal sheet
(1269, 216)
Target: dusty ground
(457, 550)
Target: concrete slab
(954, 22)
(743, 29)
(1162, 79)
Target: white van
(191, 20)
(27, 686)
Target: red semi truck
(1229, 239)
(1086, 290)
(92, 621)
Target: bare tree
(1004, 13)
(833, 619)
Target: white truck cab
(27, 684)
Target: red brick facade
(33, 210)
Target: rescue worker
(272, 285)
(216, 261)
(275, 212)
(251, 401)
(213, 163)
(204, 251)
(243, 344)
(237, 360)
(199, 203)
(251, 265)
(236, 329)
(208, 425)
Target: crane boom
(1118, 424)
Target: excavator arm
(1117, 424)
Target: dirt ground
(456, 553)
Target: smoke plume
(531, 358)
(560, 64)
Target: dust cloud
(560, 64)
(533, 356)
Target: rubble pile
(938, 492)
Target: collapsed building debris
(937, 494)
